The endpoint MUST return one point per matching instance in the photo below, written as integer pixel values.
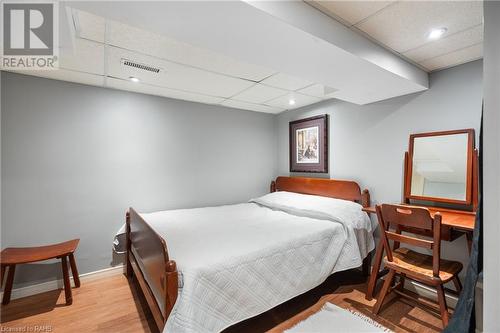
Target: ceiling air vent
(143, 67)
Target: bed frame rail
(147, 259)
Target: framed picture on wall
(309, 144)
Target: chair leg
(74, 270)
(67, 285)
(377, 262)
(458, 284)
(442, 305)
(383, 292)
(8, 286)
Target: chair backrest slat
(410, 240)
(416, 218)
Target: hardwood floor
(112, 304)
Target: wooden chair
(427, 269)
(12, 256)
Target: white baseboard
(424, 291)
(414, 286)
(58, 284)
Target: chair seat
(421, 264)
(23, 255)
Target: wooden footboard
(147, 259)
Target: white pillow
(346, 212)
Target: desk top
(457, 219)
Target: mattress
(237, 261)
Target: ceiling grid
(403, 27)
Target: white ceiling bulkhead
(269, 65)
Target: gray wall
(75, 157)
(491, 166)
(367, 143)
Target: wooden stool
(12, 256)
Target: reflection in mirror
(439, 166)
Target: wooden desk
(457, 221)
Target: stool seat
(24, 255)
(12, 256)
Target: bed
(205, 269)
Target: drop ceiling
(404, 26)
(102, 46)
(231, 54)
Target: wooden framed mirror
(439, 167)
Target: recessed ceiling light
(291, 101)
(133, 79)
(437, 33)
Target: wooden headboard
(332, 188)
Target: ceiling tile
(454, 58)
(160, 91)
(360, 76)
(89, 26)
(300, 101)
(259, 93)
(251, 106)
(131, 38)
(68, 75)
(406, 24)
(173, 75)
(86, 56)
(318, 90)
(286, 82)
(446, 45)
(350, 12)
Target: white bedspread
(241, 260)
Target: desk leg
(375, 270)
(468, 235)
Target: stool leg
(74, 270)
(8, 286)
(67, 285)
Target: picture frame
(309, 144)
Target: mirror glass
(439, 166)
